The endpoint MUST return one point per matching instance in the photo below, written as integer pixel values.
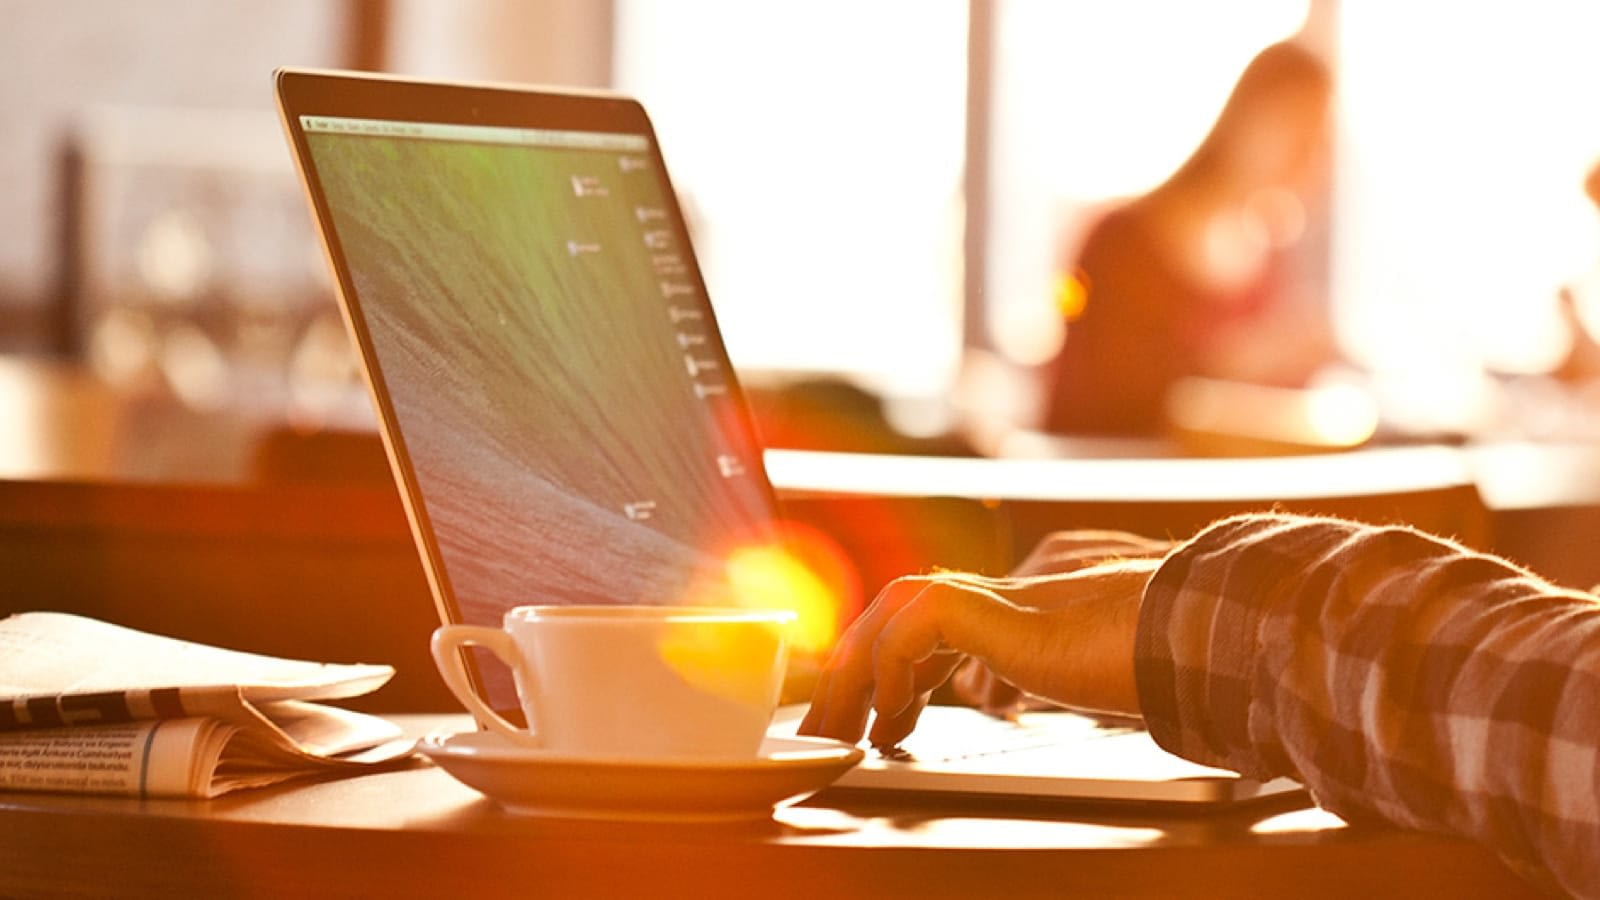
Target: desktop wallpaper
(551, 361)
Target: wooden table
(417, 832)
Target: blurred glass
(202, 276)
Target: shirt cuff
(1199, 627)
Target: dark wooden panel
(315, 571)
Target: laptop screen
(540, 329)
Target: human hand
(1067, 637)
(974, 683)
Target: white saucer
(536, 782)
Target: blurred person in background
(1190, 279)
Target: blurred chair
(285, 454)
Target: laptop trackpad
(1040, 755)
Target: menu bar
(490, 134)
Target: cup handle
(448, 644)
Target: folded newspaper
(92, 707)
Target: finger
(831, 715)
(888, 731)
(842, 699)
(944, 616)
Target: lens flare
(805, 572)
(1072, 294)
(727, 659)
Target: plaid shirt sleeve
(1394, 674)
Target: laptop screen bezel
(312, 93)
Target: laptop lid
(554, 396)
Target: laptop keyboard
(946, 739)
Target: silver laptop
(556, 402)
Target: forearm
(1394, 674)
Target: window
(1466, 131)
(1457, 202)
(818, 149)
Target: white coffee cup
(645, 682)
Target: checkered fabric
(1395, 674)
